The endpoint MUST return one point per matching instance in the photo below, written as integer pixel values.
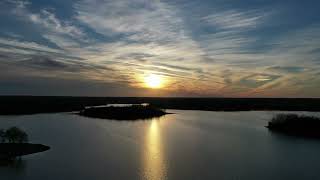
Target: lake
(185, 145)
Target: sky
(198, 48)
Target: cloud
(142, 57)
(231, 40)
(63, 34)
(157, 37)
(219, 50)
(43, 62)
(287, 69)
(148, 27)
(48, 20)
(247, 83)
(28, 45)
(233, 19)
(139, 20)
(55, 86)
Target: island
(14, 143)
(130, 112)
(295, 125)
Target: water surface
(185, 145)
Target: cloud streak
(232, 19)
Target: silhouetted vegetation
(14, 143)
(13, 135)
(43, 104)
(297, 125)
(2, 136)
(132, 112)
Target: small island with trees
(14, 143)
(131, 112)
(295, 125)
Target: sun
(153, 81)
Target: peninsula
(295, 125)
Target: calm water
(186, 145)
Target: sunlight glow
(153, 81)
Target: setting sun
(153, 81)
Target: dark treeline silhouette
(295, 125)
(133, 112)
(44, 104)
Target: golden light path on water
(154, 163)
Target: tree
(23, 137)
(16, 135)
(2, 136)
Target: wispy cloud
(49, 21)
(233, 19)
(138, 19)
(45, 18)
(27, 45)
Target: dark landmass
(295, 125)
(12, 150)
(14, 105)
(133, 112)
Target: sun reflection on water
(154, 164)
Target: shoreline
(12, 150)
(24, 105)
